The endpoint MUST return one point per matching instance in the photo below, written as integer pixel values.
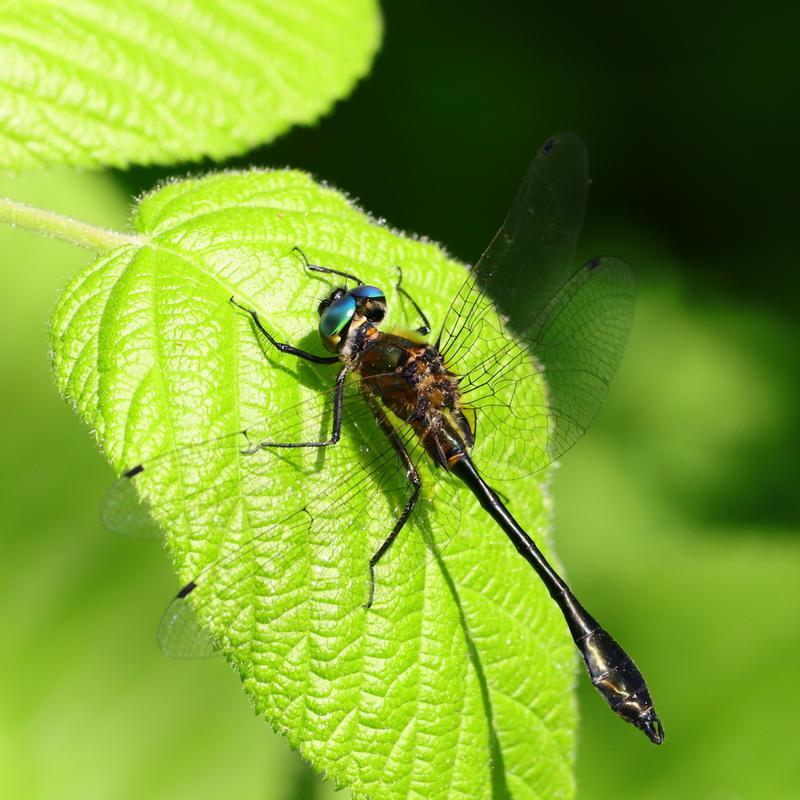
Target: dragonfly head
(362, 304)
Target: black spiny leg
(338, 404)
(326, 270)
(338, 397)
(413, 477)
(282, 346)
(425, 328)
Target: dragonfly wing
(277, 540)
(122, 511)
(181, 634)
(572, 326)
(126, 512)
(531, 256)
(524, 424)
(580, 343)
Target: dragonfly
(517, 373)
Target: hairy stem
(48, 223)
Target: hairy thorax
(411, 380)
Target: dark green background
(677, 517)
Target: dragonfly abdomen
(610, 668)
(620, 683)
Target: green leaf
(458, 682)
(77, 603)
(107, 82)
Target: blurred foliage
(90, 708)
(101, 82)
(702, 594)
(677, 516)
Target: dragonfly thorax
(411, 379)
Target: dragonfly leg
(425, 328)
(326, 270)
(413, 479)
(282, 346)
(338, 404)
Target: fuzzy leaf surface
(109, 83)
(458, 682)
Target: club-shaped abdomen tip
(635, 707)
(622, 686)
(652, 727)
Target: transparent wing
(531, 256)
(280, 537)
(125, 512)
(122, 511)
(579, 343)
(570, 325)
(181, 634)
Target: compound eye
(336, 294)
(335, 318)
(368, 292)
(372, 301)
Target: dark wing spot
(548, 146)
(188, 589)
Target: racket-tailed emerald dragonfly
(478, 402)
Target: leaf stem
(48, 223)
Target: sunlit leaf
(108, 82)
(458, 681)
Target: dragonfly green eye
(334, 319)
